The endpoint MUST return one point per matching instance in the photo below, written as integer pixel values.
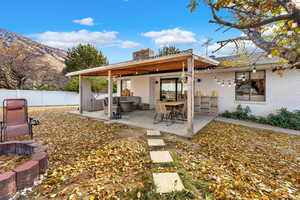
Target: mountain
(44, 68)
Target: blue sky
(117, 27)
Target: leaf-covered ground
(10, 162)
(227, 161)
(92, 160)
(88, 159)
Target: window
(125, 85)
(171, 89)
(250, 86)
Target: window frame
(176, 87)
(122, 84)
(250, 78)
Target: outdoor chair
(116, 108)
(15, 119)
(182, 111)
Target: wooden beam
(110, 91)
(80, 95)
(190, 96)
(131, 70)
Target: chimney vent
(143, 54)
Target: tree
(168, 50)
(14, 66)
(272, 25)
(98, 85)
(84, 57)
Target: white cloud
(171, 37)
(66, 40)
(85, 21)
(129, 44)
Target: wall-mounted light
(156, 82)
(198, 80)
(223, 83)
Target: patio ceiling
(151, 65)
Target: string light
(223, 83)
(244, 77)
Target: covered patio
(144, 119)
(186, 61)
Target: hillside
(43, 68)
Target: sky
(116, 27)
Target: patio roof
(150, 65)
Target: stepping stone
(167, 182)
(153, 133)
(161, 157)
(156, 142)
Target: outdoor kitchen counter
(127, 106)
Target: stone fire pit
(24, 175)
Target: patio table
(173, 105)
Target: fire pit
(22, 176)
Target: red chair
(15, 119)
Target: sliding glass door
(171, 89)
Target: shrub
(283, 118)
(240, 113)
(97, 85)
(73, 85)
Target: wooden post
(110, 99)
(80, 95)
(190, 96)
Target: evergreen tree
(84, 57)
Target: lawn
(92, 160)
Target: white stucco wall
(280, 91)
(140, 86)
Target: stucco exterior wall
(280, 91)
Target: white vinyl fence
(41, 97)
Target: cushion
(16, 130)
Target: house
(210, 85)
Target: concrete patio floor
(144, 119)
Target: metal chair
(15, 119)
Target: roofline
(187, 53)
(245, 67)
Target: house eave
(184, 54)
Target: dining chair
(182, 111)
(161, 113)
